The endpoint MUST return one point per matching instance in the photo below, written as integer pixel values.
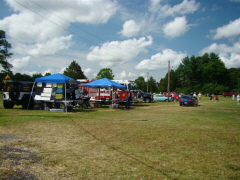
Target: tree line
(205, 74)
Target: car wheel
(25, 104)
(8, 105)
(14, 93)
(147, 100)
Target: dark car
(188, 100)
(142, 96)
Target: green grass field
(151, 141)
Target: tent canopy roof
(54, 78)
(104, 82)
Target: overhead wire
(39, 47)
(77, 26)
(66, 28)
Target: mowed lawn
(159, 140)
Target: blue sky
(133, 38)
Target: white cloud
(46, 48)
(21, 64)
(160, 60)
(35, 27)
(229, 54)
(222, 48)
(94, 11)
(176, 28)
(130, 28)
(125, 75)
(89, 72)
(117, 52)
(231, 60)
(227, 31)
(186, 7)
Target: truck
(18, 93)
(140, 96)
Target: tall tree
(234, 79)
(105, 73)
(140, 83)
(74, 71)
(152, 85)
(34, 76)
(215, 72)
(4, 54)
(22, 77)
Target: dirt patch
(15, 162)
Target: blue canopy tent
(104, 82)
(56, 78)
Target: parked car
(160, 97)
(188, 100)
(225, 94)
(139, 96)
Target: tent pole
(66, 96)
(30, 95)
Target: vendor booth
(104, 83)
(55, 89)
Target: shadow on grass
(121, 151)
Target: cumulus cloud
(88, 72)
(130, 28)
(229, 54)
(218, 48)
(126, 75)
(227, 31)
(186, 7)
(176, 28)
(20, 64)
(45, 48)
(94, 11)
(231, 60)
(160, 60)
(117, 52)
(42, 25)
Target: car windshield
(187, 96)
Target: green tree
(105, 73)
(140, 83)
(22, 77)
(47, 74)
(215, 72)
(74, 71)
(152, 85)
(4, 54)
(34, 76)
(234, 80)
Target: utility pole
(168, 89)
(147, 82)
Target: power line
(65, 28)
(77, 26)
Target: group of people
(212, 97)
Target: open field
(150, 141)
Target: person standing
(199, 96)
(233, 96)
(129, 99)
(238, 99)
(212, 97)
